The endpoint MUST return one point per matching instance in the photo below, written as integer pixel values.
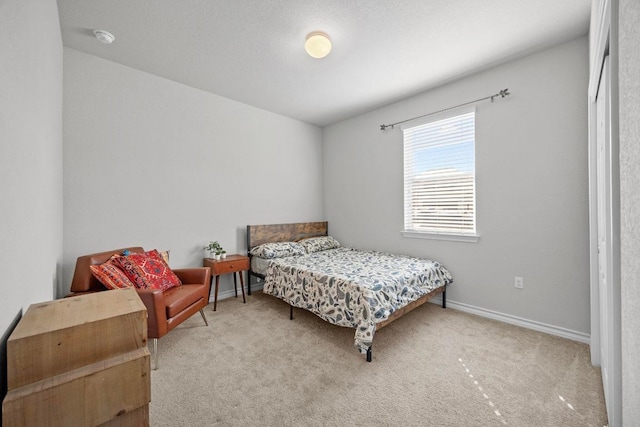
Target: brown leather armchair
(166, 309)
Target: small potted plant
(223, 254)
(213, 248)
(207, 250)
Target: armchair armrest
(153, 299)
(196, 275)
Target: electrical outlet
(518, 282)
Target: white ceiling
(252, 51)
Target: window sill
(469, 238)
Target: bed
(365, 290)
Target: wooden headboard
(259, 234)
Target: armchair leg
(204, 318)
(155, 353)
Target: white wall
(629, 133)
(531, 169)
(152, 162)
(31, 155)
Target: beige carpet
(252, 366)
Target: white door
(609, 294)
(603, 173)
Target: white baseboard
(518, 321)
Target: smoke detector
(104, 36)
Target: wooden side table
(231, 264)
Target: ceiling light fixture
(318, 44)
(104, 36)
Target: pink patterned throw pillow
(110, 275)
(148, 271)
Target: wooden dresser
(80, 361)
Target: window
(439, 177)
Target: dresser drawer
(230, 266)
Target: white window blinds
(439, 176)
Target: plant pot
(216, 257)
(223, 256)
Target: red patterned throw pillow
(110, 275)
(148, 271)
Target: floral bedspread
(353, 288)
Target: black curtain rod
(502, 94)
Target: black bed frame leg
(444, 298)
(369, 354)
(290, 312)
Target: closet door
(609, 289)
